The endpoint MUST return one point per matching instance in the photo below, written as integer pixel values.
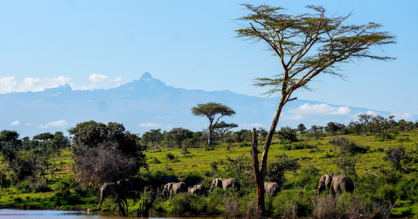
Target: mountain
(149, 103)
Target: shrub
(40, 185)
(155, 161)
(170, 156)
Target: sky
(191, 44)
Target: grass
(199, 159)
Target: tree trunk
(10, 160)
(210, 134)
(258, 175)
(149, 205)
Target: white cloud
(320, 109)
(59, 123)
(369, 112)
(402, 115)
(148, 124)
(252, 125)
(15, 122)
(293, 117)
(9, 84)
(28, 123)
(100, 82)
(95, 78)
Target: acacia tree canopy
(307, 45)
(210, 110)
(223, 127)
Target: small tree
(301, 128)
(10, 145)
(294, 39)
(179, 135)
(153, 136)
(287, 134)
(223, 127)
(210, 110)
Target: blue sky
(190, 44)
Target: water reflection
(54, 214)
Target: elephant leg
(101, 201)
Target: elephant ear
(328, 179)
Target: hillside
(198, 162)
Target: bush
(40, 185)
(193, 178)
(23, 186)
(155, 161)
(170, 156)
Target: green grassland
(61, 194)
(199, 160)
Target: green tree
(179, 135)
(10, 145)
(81, 125)
(153, 136)
(210, 110)
(60, 141)
(103, 149)
(301, 128)
(287, 133)
(223, 127)
(332, 127)
(44, 136)
(306, 45)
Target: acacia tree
(306, 45)
(223, 127)
(210, 110)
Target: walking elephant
(337, 184)
(174, 188)
(224, 184)
(271, 188)
(197, 190)
(107, 190)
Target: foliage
(276, 170)
(210, 110)
(287, 134)
(106, 153)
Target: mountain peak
(146, 77)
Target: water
(55, 214)
(28, 214)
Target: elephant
(126, 186)
(107, 190)
(271, 188)
(197, 190)
(116, 190)
(168, 179)
(224, 184)
(174, 188)
(336, 184)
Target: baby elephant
(197, 190)
(174, 188)
(271, 188)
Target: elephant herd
(336, 184)
(172, 188)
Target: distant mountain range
(149, 103)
